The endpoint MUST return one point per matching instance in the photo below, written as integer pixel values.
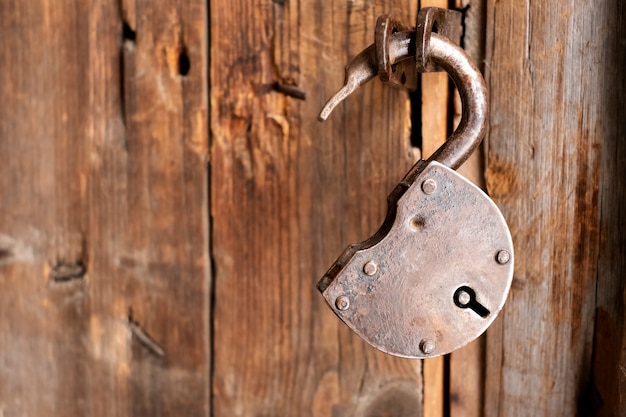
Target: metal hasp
(438, 271)
(394, 46)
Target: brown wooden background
(168, 202)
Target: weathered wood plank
(467, 365)
(103, 228)
(288, 194)
(555, 74)
(608, 390)
(435, 100)
(467, 376)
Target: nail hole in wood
(184, 65)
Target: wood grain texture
(467, 376)
(104, 273)
(555, 166)
(467, 365)
(288, 195)
(434, 387)
(435, 103)
(104, 221)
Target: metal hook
(364, 67)
(360, 70)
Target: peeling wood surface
(104, 269)
(288, 194)
(555, 167)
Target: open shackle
(431, 51)
(438, 271)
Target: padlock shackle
(473, 91)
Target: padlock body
(436, 274)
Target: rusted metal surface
(439, 281)
(360, 70)
(461, 69)
(398, 53)
(396, 72)
(438, 271)
(473, 91)
(445, 23)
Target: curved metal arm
(360, 70)
(473, 92)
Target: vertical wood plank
(103, 229)
(435, 94)
(467, 365)
(606, 395)
(555, 74)
(462, 395)
(166, 252)
(288, 194)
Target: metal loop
(473, 91)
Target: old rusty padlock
(438, 271)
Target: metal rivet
(503, 257)
(342, 303)
(463, 297)
(429, 186)
(370, 268)
(427, 346)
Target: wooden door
(555, 156)
(168, 202)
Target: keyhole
(465, 297)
